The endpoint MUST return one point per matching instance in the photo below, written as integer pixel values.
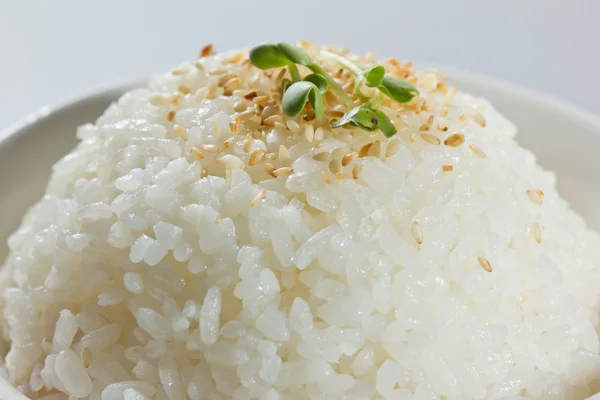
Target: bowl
(564, 138)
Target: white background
(53, 50)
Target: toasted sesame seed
(417, 232)
(320, 134)
(272, 119)
(247, 114)
(237, 58)
(335, 167)
(207, 50)
(484, 263)
(269, 169)
(537, 232)
(324, 156)
(240, 106)
(392, 148)
(442, 87)
(293, 126)
(447, 168)
(201, 94)
(284, 155)
(197, 65)
(477, 151)
(232, 84)
(261, 195)
(442, 127)
(271, 156)
(247, 144)
(184, 89)
(455, 140)
(414, 137)
(479, 119)
(280, 125)
(282, 171)
(356, 170)
(340, 152)
(171, 115)
(250, 95)
(309, 133)
(256, 157)
(364, 151)
(260, 99)
(334, 113)
(235, 126)
(536, 196)
(197, 153)
(444, 112)
(427, 125)
(267, 112)
(180, 131)
(430, 138)
(375, 149)
(348, 158)
(179, 72)
(209, 148)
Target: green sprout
(300, 91)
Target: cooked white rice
(166, 261)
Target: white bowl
(564, 138)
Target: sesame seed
(209, 148)
(356, 170)
(179, 72)
(442, 127)
(417, 232)
(282, 171)
(444, 112)
(201, 93)
(240, 106)
(322, 157)
(171, 115)
(272, 119)
(271, 156)
(334, 113)
(414, 137)
(392, 148)
(260, 99)
(348, 158)
(246, 114)
(364, 150)
(484, 263)
(442, 87)
(184, 89)
(430, 138)
(197, 153)
(309, 115)
(455, 140)
(537, 232)
(256, 157)
(238, 58)
(231, 161)
(231, 85)
(536, 196)
(427, 125)
(340, 152)
(375, 149)
(335, 167)
(207, 50)
(319, 134)
(247, 144)
(180, 131)
(477, 151)
(293, 126)
(479, 119)
(447, 168)
(309, 133)
(235, 125)
(280, 125)
(267, 112)
(261, 195)
(269, 169)
(284, 155)
(250, 95)
(197, 65)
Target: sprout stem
(341, 61)
(294, 72)
(338, 90)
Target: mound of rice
(199, 244)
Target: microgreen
(296, 96)
(298, 91)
